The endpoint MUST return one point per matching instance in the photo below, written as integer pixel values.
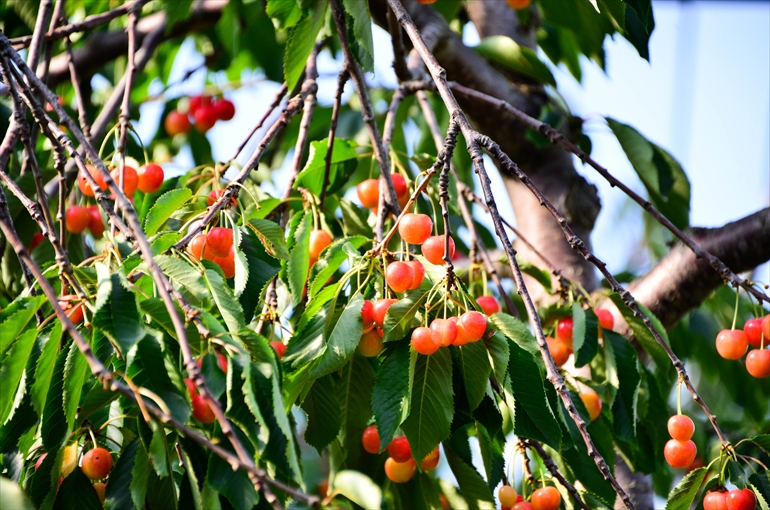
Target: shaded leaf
(228, 306)
(262, 268)
(186, 275)
(323, 414)
(343, 339)
(166, 205)
(391, 389)
(475, 369)
(505, 51)
(331, 259)
(472, 486)
(400, 316)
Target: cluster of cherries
(561, 346)
(738, 499)
(680, 451)
(732, 344)
(544, 498)
(369, 191)
(96, 465)
(216, 246)
(204, 111)
(400, 465)
(200, 408)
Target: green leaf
(117, 495)
(624, 408)
(585, 333)
(302, 37)
(763, 441)
(355, 219)
(308, 343)
(475, 369)
(45, 367)
(492, 455)
(272, 234)
(11, 496)
(147, 368)
(588, 26)
(228, 306)
(54, 422)
(760, 483)
(475, 491)
(77, 491)
(497, 350)
(362, 31)
(684, 493)
(236, 487)
(432, 407)
(166, 205)
(262, 269)
(15, 317)
(312, 176)
(186, 275)
(662, 176)
(391, 389)
(331, 260)
(399, 318)
(354, 392)
(323, 414)
(117, 315)
(639, 24)
(12, 369)
(343, 339)
(299, 259)
(542, 276)
(286, 12)
(176, 10)
(75, 372)
(358, 488)
(504, 50)
(139, 477)
(517, 331)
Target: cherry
(507, 495)
(399, 449)
(279, 347)
(560, 351)
(219, 241)
(367, 315)
(546, 498)
(96, 464)
(323, 488)
(319, 239)
(77, 218)
(430, 462)
(214, 194)
(766, 328)
(489, 304)
(606, 320)
(399, 276)
(681, 427)
(564, 330)
(422, 341)
(592, 402)
(415, 228)
(732, 343)
(758, 363)
(369, 193)
(226, 264)
(130, 180)
(74, 312)
(205, 118)
(680, 454)
(753, 330)
(371, 439)
(191, 389)
(37, 238)
(433, 249)
(399, 185)
(444, 332)
(224, 108)
(715, 500)
(380, 309)
(519, 4)
(197, 101)
(221, 361)
(95, 224)
(150, 178)
(523, 505)
(85, 186)
(176, 123)
(419, 273)
(426, 2)
(370, 344)
(199, 248)
(100, 488)
(201, 410)
(399, 472)
(471, 326)
(741, 499)
(40, 461)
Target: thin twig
(82, 114)
(273, 105)
(342, 79)
(551, 466)
(399, 54)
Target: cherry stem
(737, 301)
(679, 397)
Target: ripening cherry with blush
(715, 500)
(201, 410)
(766, 328)
(523, 505)
(400, 472)
(367, 316)
(507, 496)
(130, 179)
(221, 361)
(319, 240)
(37, 238)
(226, 264)
(415, 228)
(369, 193)
(399, 185)
(279, 347)
(77, 218)
(419, 273)
(564, 330)
(753, 330)
(519, 4)
(85, 186)
(399, 276)
(380, 309)
(150, 178)
(219, 241)
(592, 402)
(680, 454)
(214, 195)
(196, 102)
(444, 332)
(433, 249)
(430, 462)
(199, 248)
(732, 343)
(741, 499)
(176, 123)
(371, 439)
(681, 427)
(205, 118)
(224, 108)
(190, 385)
(471, 326)
(546, 498)
(95, 223)
(758, 363)
(370, 344)
(489, 304)
(72, 309)
(426, 2)
(96, 463)
(399, 449)
(422, 341)
(100, 488)
(560, 351)
(606, 320)
(40, 461)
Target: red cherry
(37, 238)
(680, 454)
(319, 239)
(422, 341)
(371, 439)
(507, 495)
(201, 410)
(560, 351)
(758, 363)
(214, 194)
(225, 109)
(444, 332)
(77, 218)
(95, 223)
(150, 178)
(606, 320)
(370, 344)
(130, 180)
(380, 309)
(85, 186)
(226, 264)
(399, 276)
(753, 330)
(199, 247)
(766, 328)
(681, 427)
(205, 118)
(715, 500)
(471, 326)
(399, 449)
(100, 488)
(732, 343)
(191, 389)
(564, 330)
(592, 402)
(433, 249)
(399, 185)
(489, 304)
(518, 4)
(74, 312)
(369, 193)
(399, 472)
(523, 505)
(419, 273)
(367, 315)
(279, 347)
(430, 462)
(176, 123)
(546, 498)
(221, 361)
(741, 499)
(96, 463)
(426, 2)
(40, 461)
(197, 101)
(415, 228)
(219, 241)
